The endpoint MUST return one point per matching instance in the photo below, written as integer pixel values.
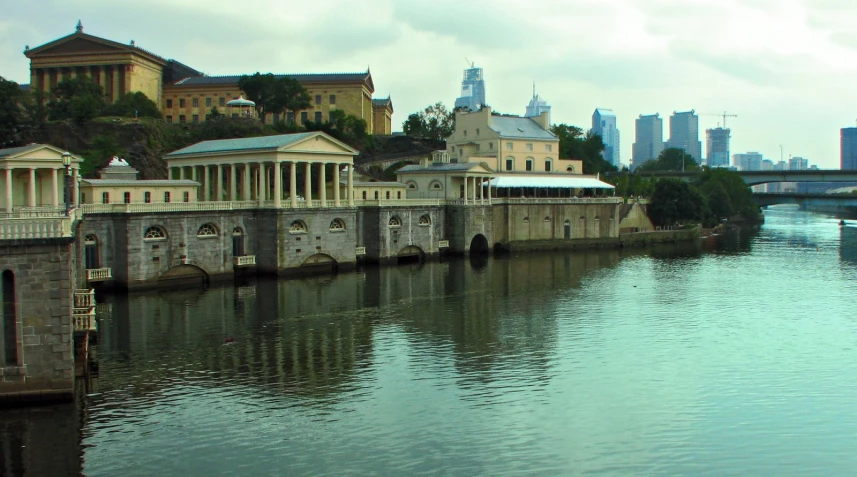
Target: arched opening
(237, 242)
(208, 230)
(320, 262)
(411, 253)
(10, 320)
(567, 227)
(185, 274)
(479, 244)
(90, 252)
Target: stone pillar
(126, 85)
(218, 184)
(293, 183)
(55, 201)
(114, 88)
(336, 185)
(31, 191)
(233, 185)
(307, 186)
(206, 193)
(9, 195)
(245, 188)
(263, 186)
(350, 190)
(322, 192)
(181, 173)
(75, 187)
(278, 185)
(489, 190)
(466, 188)
(482, 190)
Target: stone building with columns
(34, 178)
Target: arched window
(90, 252)
(10, 321)
(510, 163)
(569, 169)
(597, 218)
(207, 230)
(237, 242)
(237, 231)
(395, 221)
(436, 185)
(567, 229)
(526, 220)
(425, 220)
(412, 185)
(155, 233)
(530, 162)
(547, 219)
(337, 225)
(297, 227)
(548, 164)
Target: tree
(260, 89)
(133, 105)
(727, 193)
(345, 127)
(670, 159)
(79, 99)
(11, 113)
(274, 95)
(574, 143)
(434, 122)
(291, 96)
(676, 201)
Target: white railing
(84, 298)
(557, 200)
(98, 274)
(360, 251)
(400, 202)
(83, 313)
(33, 212)
(245, 261)
(30, 227)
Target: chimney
(543, 120)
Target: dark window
(166, 196)
(509, 164)
(10, 321)
(237, 245)
(169, 103)
(181, 102)
(195, 102)
(364, 195)
(187, 196)
(195, 118)
(169, 118)
(332, 99)
(105, 197)
(399, 194)
(376, 195)
(126, 197)
(388, 195)
(529, 164)
(318, 99)
(221, 102)
(318, 116)
(547, 166)
(207, 102)
(303, 117)
(182, 118)
(330, 116)
(290, 117)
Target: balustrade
(245, 261)
(99, 274)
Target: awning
(558, 182)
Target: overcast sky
(787, 68)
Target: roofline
(251, 150)
(96, 39)
(36, 147)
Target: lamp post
(66, 162)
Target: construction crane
(724, 115)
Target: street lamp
(66, 162)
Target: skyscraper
(684, 134)
(798, 163)
(717, 147)
(848, 149)
(649, 141)
(750, 161)
(604, 124)
(537, 106)
(472, 89)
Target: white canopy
(241, 102)
(558, 181)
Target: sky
(786, 68)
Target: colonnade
(57, 177)
(477, 193)
(263, 181)
(113, 78)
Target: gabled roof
(252, 144)
(383, 103)
(444, 167)
(80, 36)
(365, 77)
(520, 128)
(12, 152)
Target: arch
(10, 320)
(155, 232)
(237, 231)
(530, 164)
(597, 218)
(207, 230)
(191, 274)
(395, 221)
(569, 169)
(479, 244)
(337, 225)
(547, 219)
(298, 227)
(436, 185)
(411, 253)
(425, 220)
(526, 220)
(411, 185)
(90, 252)
(238, 242)
(567, 229)
(320, 260)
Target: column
(336, 185)
(55, 201)
(245, 188)
(233, 185)
(307, 186)
(9, 195)
(466, 188)
(322, 193)
(181, 173)
(489, 191)
(263, 186)
(206, 193)
(218, 184)
(293, 183)
(194, 176)
(481, 190)
(75, 187)
(278, 186)
(31, 191)
(114, 88)
(350, 185)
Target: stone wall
(388, 232)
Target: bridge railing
(38, 225)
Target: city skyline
(784, 68)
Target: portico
(274, 171)
(33, 179)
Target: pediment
(319, 143)
(76, 46)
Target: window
(147, 197)
(186, 196)
(332, 99)
(364, 195)
(207, 230)
(290, 117)
(425, 220)
(465, 133)
(547, 219)
(182, 118)
(337, 225)
(491, 146)
(318, 116)
(412, 185)
(181, 102)
(195, 118)
(297, 227)
(548, 147)
(508, 146)
(195, 102)
(318, 99)
(477, 147)
(207, 102)
(526, 220)
(169, 103)
(166, 196)
(436, 185)
(237, 242)
(395, 221)
(510, 164)
(105, 197)
(529, 147)
(303, 117)
(569, 169)
(477, 131)
(388, 195)
(398, 194)
(126, 198)
(376, 195)
(169, 118)
(330, 116)
(221, 102)
(155, 233)
(90, 252)
(547, 165)
(10, 320)
(529, 165)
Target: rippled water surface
(734, 357)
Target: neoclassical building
(184, 94)
(34, 178)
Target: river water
(730, 357)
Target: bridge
(817, 200)
(763, 177)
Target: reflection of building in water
(848, 244)
(44, 441)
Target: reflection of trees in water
(40, 441)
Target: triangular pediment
(319, 143)
(77, 44)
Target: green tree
(574, 143)
(261, 89)
(11, 112)
(676, 201)
(670, 159)
(291, 96)
(101, 149)
(434, 122)
(79, 99)
(736, 197)
(133, 105)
